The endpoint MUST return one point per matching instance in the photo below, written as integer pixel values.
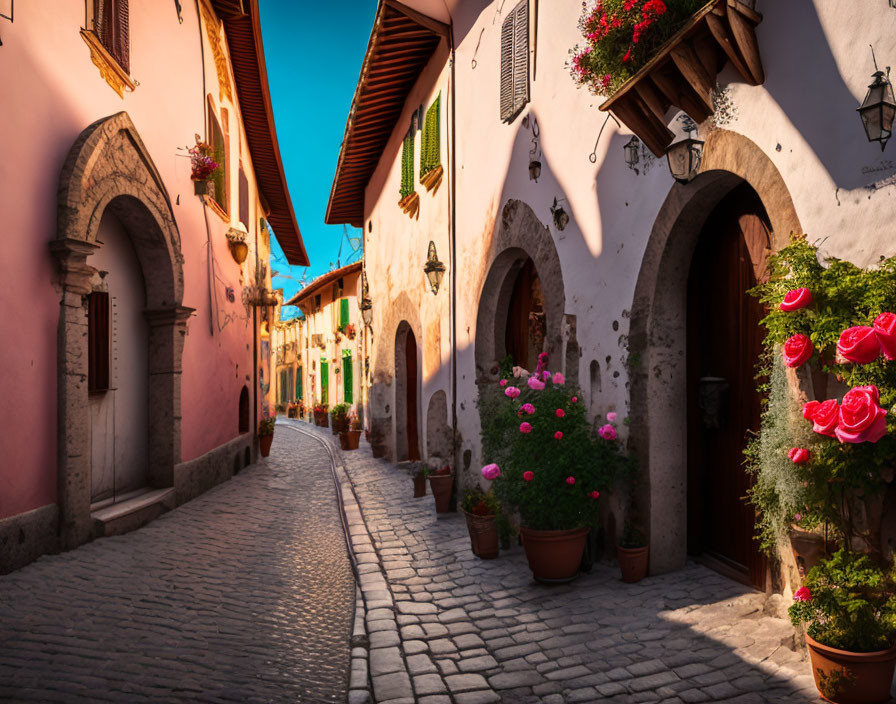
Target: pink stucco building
(134, 366)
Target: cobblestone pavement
(446, 627)
(245, 594)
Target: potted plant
(547, 464)
(848, 606)
(632, 551)
(203, 167)
(321, 419)
(339, 417)
(480, 509)
(265, 435)
(419, 476)
(349, 438)
(441, 482)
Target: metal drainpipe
(452, 235)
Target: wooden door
(410, 350)
(724, 343)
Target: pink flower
(491, 471)
(799, 455)
(511, 392)
(594, 494)
(798, 516)
(797, 350)
(824, 416)
(802, 594)
(575, 399)
(570, 480)
(558, 435)
(796, 299)
(861, 417)
(545, 375)
(535, 384)
(859, 344)
(627, 57)
(528, 476)
(525, 427)
(607, 432)
(502, 383)
(611, 416)
(528, 408)
(559, 413)
(810, 408)
(885, 329)
(559, 379)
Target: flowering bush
(848, 603)
(623, 35)
(553, 471)
(202, 162)
(480, 503)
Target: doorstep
(134, 510)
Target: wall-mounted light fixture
(684, 156)
(236, 240)
(632, 149)
(365, 304)
(434, 269)
(534, 161)
(879, 107)
(561, 217)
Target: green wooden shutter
(284, 388)
(289, 387)
(343, 313)
(430, 143)
(347, 381)
(299, 384)
(407, 165)
(325, 383)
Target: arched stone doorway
(407, 394)
(108, 169)
(658, 333)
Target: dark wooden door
(516, 336)
(724, 343)
(410, 349)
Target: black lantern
(684, 156)
(561, 217)
(632, 153)
(434, 269)
(365, 304)
(878, 109)
(534, 170)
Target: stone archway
(521, 237)
(657, 337)
(407, 394)
(109, 167)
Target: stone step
(138, 509)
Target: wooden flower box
(683, 72)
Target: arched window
(244, 410)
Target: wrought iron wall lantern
(879, 107)
(561, 217)
(632, 151)
(534, 161)
(434, 269)
(534, 170)
(365, 304)
(236, 240)
(685, 155)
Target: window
(324, 382)
(110, 22)
(515, 61)
(97, 342)
(343, 313)
(217, 138)
(317, 303)
(430, 144)
(347, 380)
(407, 165)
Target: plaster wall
(53, 91)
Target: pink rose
(491, 471)
(559, 379)
(796, 299)
(607, 432)
(528, 408)
(575, 399)
(560, 413)
(525, 427)
(570, 480)
(859, 344)
(545, 375)
(861, 417)
(802, 594)
(825, 417)
(809, 409)
(885, 329)
(797, 517)
(611, 416)
(502, 383)
(558, 435)
(594, 494)
(535, 384)
(528, 476)
(799, 455)
(511, 392)
(797, 350)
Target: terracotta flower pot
(419, 485)
(264, 444)
(554, 555)
(441, 490)
(633, 563)
(483, 535)
(844, 677)
(348, 439)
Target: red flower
(528, 476)
(885, 329)
(861, 417)
(797, 350)
(802, 594)
(560, 413)
(796, 299)
(629, 4)
(628, 56)
(558, 435)
(799, 455)
(825, 417)
(653, 7)
(809, 409)
(594, 494)
(859, 344)
(570, 480)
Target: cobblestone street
(245, 594)
(446, 627)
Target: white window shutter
(520, 56)
(507, 35)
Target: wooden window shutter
(343, 313)
(244, 197)
(521, 56)
(507, 67)
(98, 341)
(407, 165)
(111, 25)
(299, 384)
(347, 379)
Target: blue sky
(313, 50)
